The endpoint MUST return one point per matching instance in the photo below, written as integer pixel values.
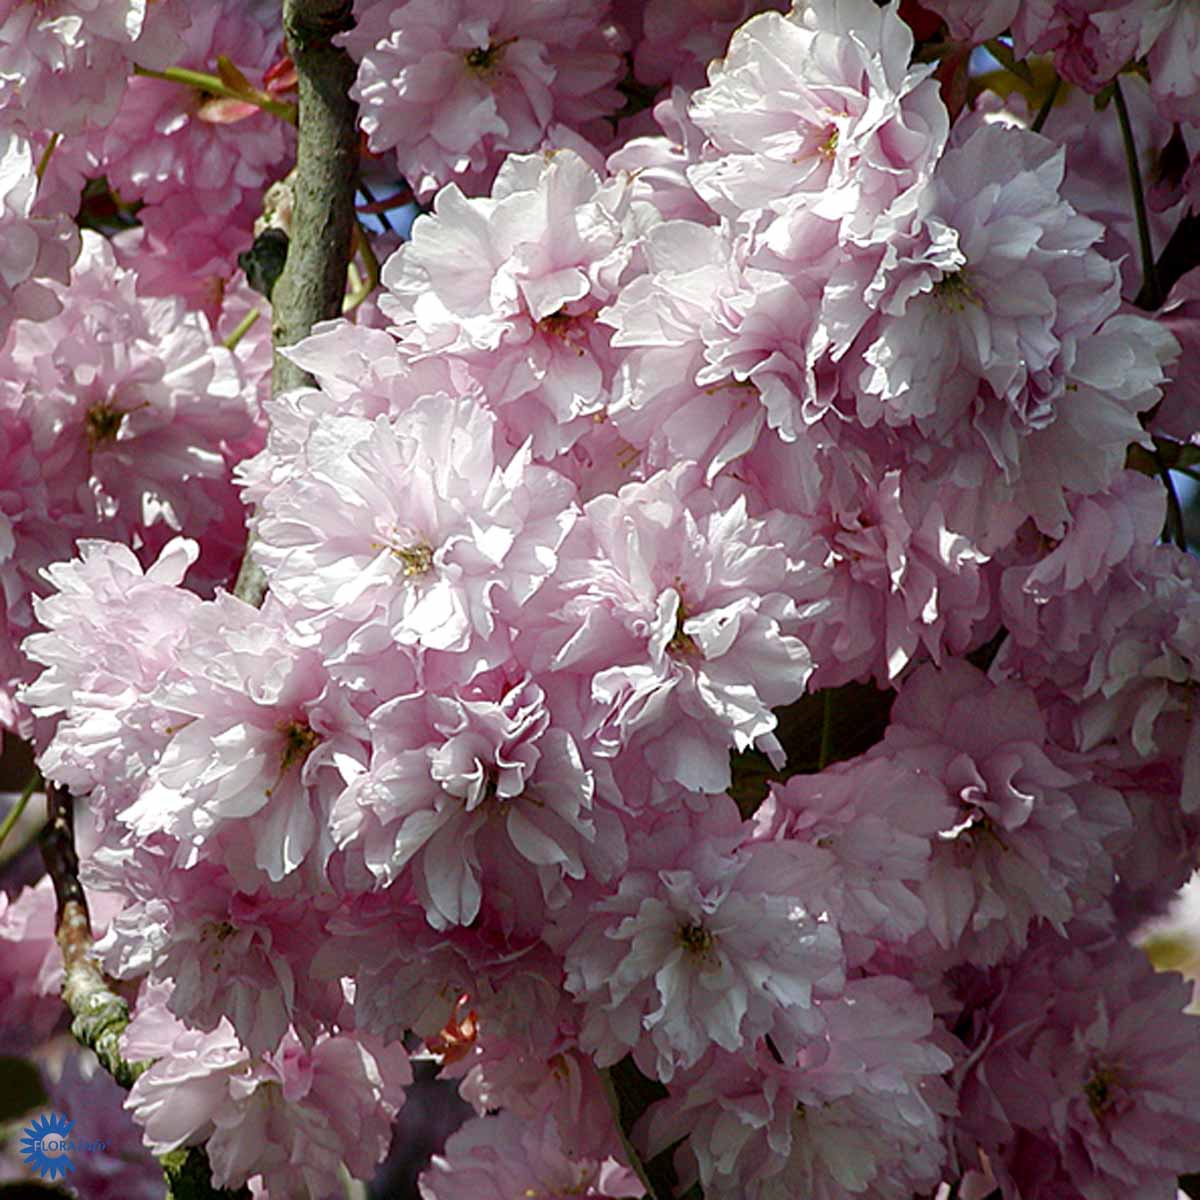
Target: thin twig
(242, 328)
(1047, 105)
(100, 1014)
(1150, 297)
(631, 1154)
(44, 161)
(374, 208)
(370, 280)
(214, 85)
(1175, 528)
(826, 751)
(14, 814)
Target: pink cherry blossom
(508, 1156)
(1172, 59)
(291, 1116)
(862, 836)
(667, 401)
(182, 251)
(904, 585)
(1176, 416)
(112, 634)
(234, 956)
(857, 1108)
(1083, 1079)
(1028, 833)
(261, 746)
(820, 108)
(1122, 659)
(162, 145)
(694, 948)
(998, 286)
(1091, 40)
(975, 20)
(128, 401)
(512, 284)
(679, 38)
(452, 87)
(682, 615)
(33, 246)
(64, 66)
(32, 973)
(417, 528)
(484, 797)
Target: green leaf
(21, 1088)
(233, 79)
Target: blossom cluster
(718, 636)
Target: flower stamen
(483, 59)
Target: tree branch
(100, 1015)
(313, 282)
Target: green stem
(243, 327)
(44, 161)
(826, 731)
(631, 1154)
(14, 814)
(1174, 509)
(1047, 105)
(352, 1189)
(214, 85)
(1150, 289)
(362, 243)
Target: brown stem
(100, 1015)
(313, 282)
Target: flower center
(569, 328)
(414, 554)
(103, 423)
(974, 828)
(491, 786)
(953, 292)
(1100, 1090)
(417, 559)
(299, 741)
(682, 645)
(695, 939)
(213, 937)
(483, 60)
